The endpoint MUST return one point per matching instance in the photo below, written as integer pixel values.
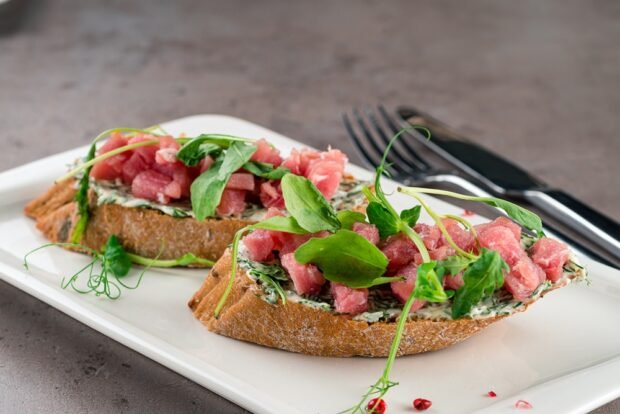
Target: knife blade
(503, 177)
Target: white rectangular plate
(562, 355)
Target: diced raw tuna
(167, 152)
(205, 163)
(115, 141)
(166, 156)
(271, 194)
(134, 166)
(151, 185)
(111, 168)
(148, 151)
(179, 173)
(260, 244)
(551, 255)
(307, 278)
(431, 235)
(326, 175)
(288, 242)
(463, 238)
(523, 278)
(402, 290)
(399, 250)
(168, 141)
(453, 282)
(501, 222)
(368, 231)
(348, 300)
(441, 253)
(299, 160)
(241, 181)
(335, 155)
(502, 240)
(267, 153)
(232, 202)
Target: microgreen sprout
(109, 266)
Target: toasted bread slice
(297, 327)
(300, 328)
(143, 231)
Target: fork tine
(395, 152)
(419, 162)
(358, 143)
(356, 140)
(393, 168)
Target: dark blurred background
(539, 82)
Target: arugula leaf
(382, 217)
(266, 170)
(207, 189)
(519, 214)
(346, 257)
(411, 216)
(428, 284)
(306, 203)
(285, 224)
(116, 258)
(348, 217)
(195, 151)
(452, 265)
(481, 279)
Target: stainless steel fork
(370, 133)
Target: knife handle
(589, 223)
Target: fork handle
(583, 219)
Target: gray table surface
(537, 81)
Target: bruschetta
(165, 196)
(331, 284)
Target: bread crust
(300, 328)
(143, 231)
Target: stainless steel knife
(503, 177)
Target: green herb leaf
(306, 203)
(266, 170)
(428, 284)
(346, 257)
(481, 279)
(387, 223)
(81, 198)
(454, 264)
(519, 214)
(348, 217)
(195, 151)
(284, 224)
(115, 258)
(270, 276)
(411, 216)
(207, 189)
